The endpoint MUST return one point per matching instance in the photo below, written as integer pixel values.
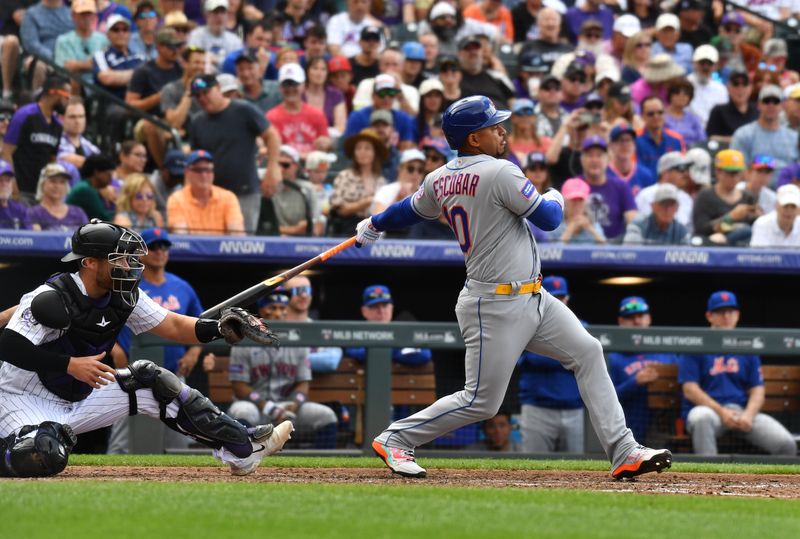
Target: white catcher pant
(101, 408)
(767, 433)
(496, 329)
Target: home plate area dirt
(710, 484)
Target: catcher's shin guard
(197, 416)
(37, 451)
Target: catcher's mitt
(236, 324)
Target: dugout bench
(665, 395)
(411, 385)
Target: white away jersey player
(145, 316)
(493, 196)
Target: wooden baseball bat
(256, 291)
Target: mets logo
(420, 192)
(527, 190)
(491, 110)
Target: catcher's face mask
(126, 269)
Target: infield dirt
(709, 484)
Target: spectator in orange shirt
(201, 207)
(300, 125)
(496, 14)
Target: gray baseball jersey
(481, 193)
(271, 372)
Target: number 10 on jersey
(458, 220)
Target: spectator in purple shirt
(679, 117)
(611, 201)
(12, 213)
(591, 9)
(52, 212)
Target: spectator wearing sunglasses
(655, 139)
(409, 177)
(385, 93)
(391, 62)
(523, 138)
(136, 207)
(573, 87)
(294, 203)
(725, 119)
(765, 135)
(549, 113)
(708, 92)
(365, 63)
(33, 135)
(75, 49)
(143, 41)
(622, 162)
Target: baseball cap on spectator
(178, 19)
(319, 161)
(732, 17)
(154, 235)
(620, 91)
(775, 47)
(700, 171)
(621, 129)
(339, 63)
(729, 160)
(199, 155)
(201, 83)
(706, 52)
(412, 154)
(763, 162)
(788, 194)
(413, 50)
(594, 141)
(584, 58)
(448, 60)
(6, 106)
(442, 9)
(668, 20)
(247, 55)
(228, 83)
(84, 6)
(687, 5)
(431, 85)
(167, 36)
(627, 25)
(175, 162)
(633, 305)
(293, 154)
(376, 294)
(380, 115)
(575, 189)
(437, 144)
(523, 107)
(385, 82)
(116, 18)
(531, 61)
(593, 98)
(665, 191)
(671, 161)
(291, 73)
(722, 300)
(770, 90)
(556, 285)
(211, 5)
(550, 79)
(607, 74)
(738, 74)
(276, 297)
(535, 159)
(5, 168)
(371, 33)
(54, 169)
(468, 40)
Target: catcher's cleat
(643, 460)
(267, 440)
(400, 461)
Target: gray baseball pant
(545, 430)
(311, 416)
(767, 433)
(496, 329)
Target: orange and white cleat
(643, 460)
(400, 461)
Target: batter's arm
(398, 215)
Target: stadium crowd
(670, 123)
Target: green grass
(283, 461)
(83, 509)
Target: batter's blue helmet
(468, 115)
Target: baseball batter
(54, 385)
(502, 309)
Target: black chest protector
(94, 326)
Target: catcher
(54, 384)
